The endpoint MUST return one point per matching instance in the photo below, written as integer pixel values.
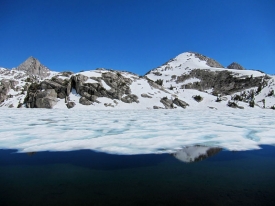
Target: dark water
(90, 178)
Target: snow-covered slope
(186, 62)
(189, 81)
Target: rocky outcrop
(145, 96)
(61, 87)
(70, 105)
(235, 65)
(118, 83)
(130, 98)
(233, 104)
(5, 86)
(168, 103)
(33, 67)
(85, 101)
(222, 82)
(210, 62)
(180, 103)
(78, 82)
(46, 99)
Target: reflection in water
(196, 153)
(31, 153)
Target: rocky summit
(235, 65)
(33, 67)
(188, 81)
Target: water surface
(85, 177)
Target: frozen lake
(134, 131)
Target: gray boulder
(156, 107)
(46, 99)
(59, 85)
(85, 101)
(130, 98)
(168, 103)
(234, 105)
(180, 103)
(145, 96)
(70, 105)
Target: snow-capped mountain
(189, 81)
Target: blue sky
(136, 35)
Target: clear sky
(136, 35)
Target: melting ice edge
(134, 131)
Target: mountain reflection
(31, 153)
(196, 153)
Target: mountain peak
(235, 65)
(32, 66)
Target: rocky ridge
(190, 80)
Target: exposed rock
(210, 62)
(58, 85)
(108, 105)
(33, 67)
(78, 81)
(156, 107)
(46, 99)
(180, 103)
(234, 105)
(84, 101)
(118, 83)
(235, 65)
(5, 86)
(222, 82)
(70, 105)
(155, 85)
(168, 103)
(198, 98)
(66, 74)
(9, 83)
(145, 96)
(157, 73)
(130, 98)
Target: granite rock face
(5, 86)
(33, 67)
(235, 65)
(46, 99)
(222, 82)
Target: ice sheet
(134, 131)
